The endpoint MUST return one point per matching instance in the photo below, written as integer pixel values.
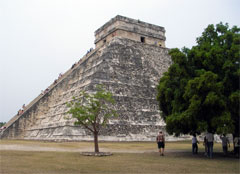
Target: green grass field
(178, 159)
(130, 146)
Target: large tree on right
(200, 91)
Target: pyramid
(129, 59)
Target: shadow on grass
(201, 155)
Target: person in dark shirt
(161, 143)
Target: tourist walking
(194, 145)
(210, 140)
(205, 146)
(225, 144)
(236, 144)
(161, 143)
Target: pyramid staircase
(40, 96)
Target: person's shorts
(161, 145)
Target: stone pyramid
(129, 59)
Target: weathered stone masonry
(129, 68)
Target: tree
(200, 92)
(92, 111)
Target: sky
(41, 38)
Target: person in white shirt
(210, 140)
(194, 144)
(225, 144)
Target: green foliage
(200, 92)
(92, 110)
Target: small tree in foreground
(92, 111)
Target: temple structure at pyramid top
(133, 29)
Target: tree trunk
(96, 142)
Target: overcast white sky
(41, 38)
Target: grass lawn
(134, 146)
(36, 162)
